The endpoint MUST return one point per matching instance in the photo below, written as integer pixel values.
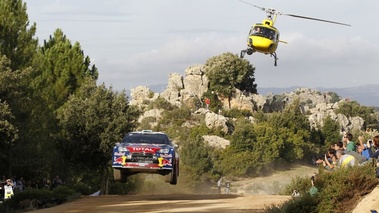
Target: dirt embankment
(248, 195)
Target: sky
(140, 42)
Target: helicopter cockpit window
(263, 31)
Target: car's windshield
(146, 138)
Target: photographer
(329, 160)
(375, 144)
(374, 155)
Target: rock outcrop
(213, 120)
(142, 95)
(189, 90)
(216, 141)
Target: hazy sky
(140, 42)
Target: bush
(236, 113)
(37, 199)
(306, 204)
(63, 194)
(339, 191)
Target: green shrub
(63, 194)
(236, 113)
(339, 191)
(304, 204)
(42, 198)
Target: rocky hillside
(189, 89)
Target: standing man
(8, 189)
(348, 139)
(219, 185)
(207, 102)
(227, 187)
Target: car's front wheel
(119, 175)
(172, 177)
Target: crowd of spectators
(14, 185)
(347, 153)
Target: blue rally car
(145, 152)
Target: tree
(62, 69)
(91, 122)
(8, 135)
(227, 72)
(15, 105)
(331, 131)
(16, 37)
(243, 137)
(294, 129)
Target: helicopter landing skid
(275, 58)
(249, 51)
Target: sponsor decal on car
(166, 155)
(164, 162)
(120, 160)
(142, 149)
(119, 154)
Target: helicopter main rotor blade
(262, 8)
(316, 19)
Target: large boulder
(239, 101)
(195, 85)
(213, 120)
(155, 113)
(174, 86)
(216, 141)
(142, 95)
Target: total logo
(142, 149)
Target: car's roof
(146, 132)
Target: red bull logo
(164, 162)
(120, 160)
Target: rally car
(145, 152)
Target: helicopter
(264, 37)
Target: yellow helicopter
(264, 37)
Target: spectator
(20, 184)
(362, 148)
(44, 184)
(207, 102)
(56, 182)
(227, 187)
(345, 160)
(8, 189)
(358, 157)
(313, 191)
(339, 146)
(219, 185)
(330, 160)
(375, 143)
(348, 140)
(295, 193)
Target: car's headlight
(123, 149)
(164, 151)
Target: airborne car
(145, 152)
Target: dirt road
(168, 203)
